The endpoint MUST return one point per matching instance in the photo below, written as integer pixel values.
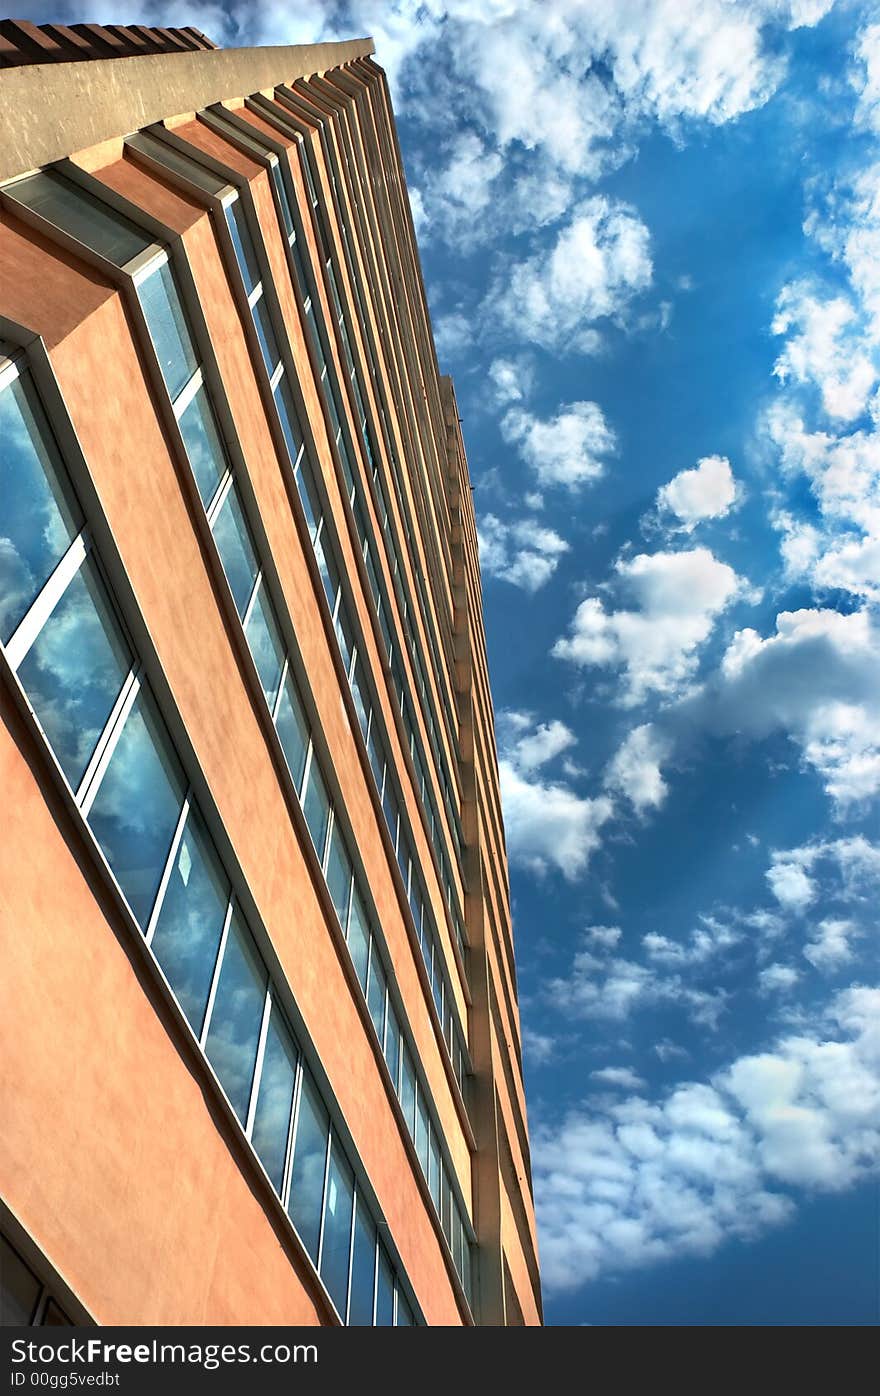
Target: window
(135, 812)
(190, 922)
(309, 1163)
(74, 670)
(175, 160)
(203, 446)
(234, 1029)
(392, 1043)
(163, 311)
(384, 1291)
(339, 875)
(275, 1099)
(408, 1090)
(243, 245)
(404, 1317)
(65, 204)
(359, 937)
(232, 536)
(363, 1269)
(19, 1288)
(293, 732)
(265, 643)
(40, 515)
(336, 1239)
(376, 994)
(316, 807)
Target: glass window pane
(39, 517)
(300, 267)
(175, 160)
(289, 419)
(309, 1161)
(357, 694)
(19, 1288)
(234, 1031)
(363, 1269)
(282, 198)
(408, 1090)
(359, 936)
(389, 805)
(404, 1317)
(344, 636)
(336, 1242)
(265, 643)
(376, 753)
(74, 670)
(84, 217)
(292, 730)
(316, 807)
(339, 874)
(434, 1168)
(422, 1132)
(384, 1291)
(243, 244)
(306, 486)
(376, 993)
(392, 1043)
(233, 541)
(266, 336)
(190, 923)
(275, 1098)
(329, 576)
(138, 803)
(201, 438)
(445, 1204)
(403, 856)
(168, 328)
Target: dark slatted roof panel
(22, 42)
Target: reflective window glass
(232, 536)
(74, 670)
(363, 1269)
(384, 1291)
(434, 1168)
(265, 643)
(39, 517)
(309, 1162)
(404, 1318)
(84, 217)
(408, 1090)
(138, 803)
(201, 438)
(168, 329)
(234, 1030)
(392, 1043)
(336, 1242)
(282, 198)
(422, 1131)
(190, 922)
(275, 1098)
(359, 936)
(339, 874)
(316, 807)
(177, 161)
(376, 993)
(266, 336)
(243, 244)
(289, 419)
(292, 731)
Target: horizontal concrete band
(50, 110)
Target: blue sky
(650, 232)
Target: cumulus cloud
(709, 939)
(825, 350)
(707, 492)
(523, 551)
(598, 263)
(677, 597)
(547, 824)
(634, 770)
(830, 946)
(621, 1077)
(457, 192)
(778, 978)
(638, 1182)
(790, 885)
(606, 987)
(569, 449)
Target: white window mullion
(96, 769)
(169, 866)
(258, 1065)
(47, 599)
(219, 497)
(187, 393)
(221, 951)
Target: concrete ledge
(50, 110)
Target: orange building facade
(261, 1058)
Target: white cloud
(707, 492)
(547, 825)
(568, 449)
(458, 193)
(599, 262)
(678, 597)
(704, 943)
(605, 987)
(790, 885)
(638, 1182)
(778, 978)
(634, 770)
(868, 54)
(622, 1077)
(830, 945)
(453, 335)
(512, 379)
(825, 350)
(818, 679)
(523, 552)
